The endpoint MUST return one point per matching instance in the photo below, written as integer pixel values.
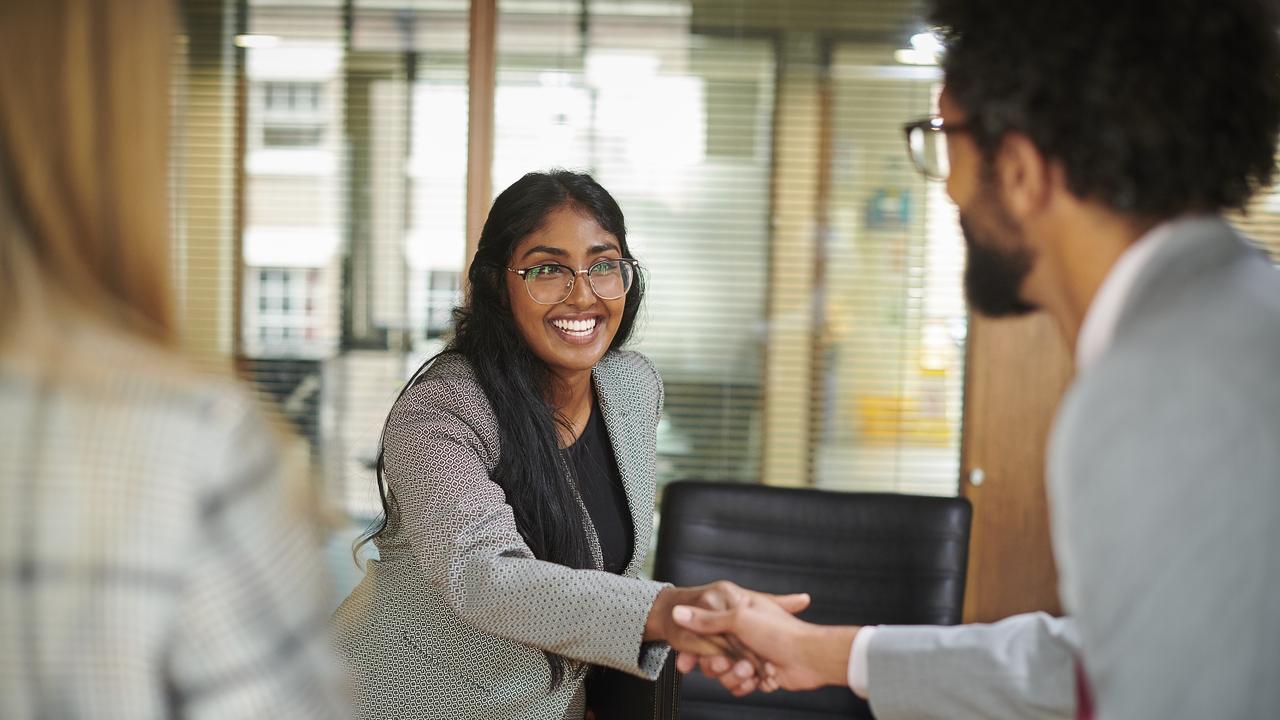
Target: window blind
(891, 343)
(677, 125)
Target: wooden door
(1016, 372)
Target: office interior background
(805, 306)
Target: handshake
(749, 640)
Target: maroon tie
(1084, 699)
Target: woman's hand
(720, 649)
(801, 656)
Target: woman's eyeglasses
(552, 283)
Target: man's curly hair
(1153, 107)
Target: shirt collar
(1099, 326)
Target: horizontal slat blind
(354, 142)
(891, 349)
(677, 126)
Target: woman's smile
(578, 330)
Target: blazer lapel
(630, 449)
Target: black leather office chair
(865, 558)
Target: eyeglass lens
(551, 284)
(928, 148)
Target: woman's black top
(600, 484)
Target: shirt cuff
(858, 661)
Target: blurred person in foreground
(152, 564)
(1091, 147)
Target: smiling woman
(517, 475)
(569, 324)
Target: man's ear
(1023, 175)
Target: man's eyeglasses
(552, 283)
(927, 145)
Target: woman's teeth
(576, 327)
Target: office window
(292, 98)
(293, 114)
(276, 320)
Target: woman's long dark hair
(530, 469)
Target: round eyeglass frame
(573, 279)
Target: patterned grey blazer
(452, 620)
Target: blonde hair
(84, 128)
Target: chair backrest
(865, 559)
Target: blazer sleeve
(1020, 667)
(464, 538)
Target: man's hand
(716, 596)
(801, 655)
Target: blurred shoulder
(103, 372)
(125, 415)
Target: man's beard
(993, 275)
